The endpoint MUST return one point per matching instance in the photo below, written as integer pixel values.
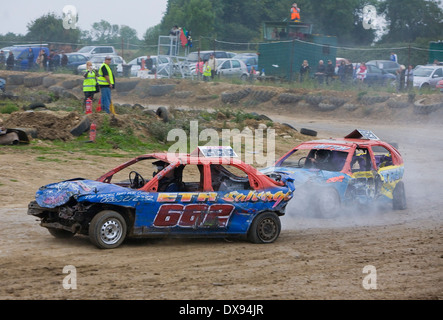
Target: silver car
(427, 76)
(232, 68)
(97, 62)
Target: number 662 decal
(193, 215)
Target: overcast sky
(139, 15)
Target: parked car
(90, 51)
(21, 53)
(427, 76)
(358, 169)
(232, 68)
(160, 63)
(188, 195)
(97, 61)
(74, 61)
(377, 76)
(440, 85)
(250, 59)
(386, 65)
(204, 55)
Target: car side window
(228, 178)
(226, 65)
(235, 64)
(438, 73)
(383, 157)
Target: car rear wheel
(107, 229)
(327, 203)
(399, 197)
(265, 228)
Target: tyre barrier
(398, 104)
(262, 95)
(326, 107)
(234, 97)
(289, 98)
(420, 108)
(373, 100)
(15, 79)
(314, 100)
(30, 82)
(160, 90)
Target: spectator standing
(64, 60)
(30, 58)
(199, 68)
(341, 72)
(2, 59)
(106, 81)
(213, 65)
(361, 72)
(321, 72)
(90, 82)
(393, 57)
(282, 35)
(409, 75)
(206, 71)
(349, 71)
(149, 64)
(10, 61)
(401, 77)
(56, 61)
(305, 69)
(330, 72)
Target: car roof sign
(214, 152)
(362, 134)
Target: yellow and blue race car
(358, 169)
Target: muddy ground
(312, 259)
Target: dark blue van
(21, 53)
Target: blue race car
(187, 195)
(358, 169)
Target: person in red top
(295, 13)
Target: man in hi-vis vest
(295, 13)
(106, 81)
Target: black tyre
(399, 197)
(83, 126)
(308, 132)
(265, 228)
(107, 230)
(163, 114)
(60, 233)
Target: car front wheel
(107, 229)
(265, 228)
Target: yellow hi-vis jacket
(101, 79)
(90, 81)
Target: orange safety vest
(295, 14)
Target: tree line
(242, 21)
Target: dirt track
(312, 259)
